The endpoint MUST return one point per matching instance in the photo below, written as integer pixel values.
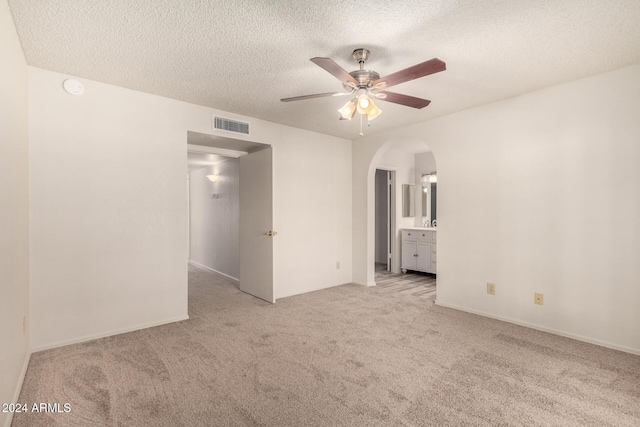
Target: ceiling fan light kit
(364, 104)
(366, 84)
(348, 110)
(367, 107)
(373, 112)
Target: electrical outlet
(538, 299)
(491, 288)
(337, 265)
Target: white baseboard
(16, 393)
(226, 276)
(543, 329)
(108, 334)
(306, 291)
(364, 284)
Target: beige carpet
(349, 355)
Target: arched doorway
(394, 154)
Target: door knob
(270, 233)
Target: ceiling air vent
(230, 125)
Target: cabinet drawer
(410, 234)
(424, 236)
(419, 235)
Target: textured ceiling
(242, 56)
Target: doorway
(213, 196)
(405, 158)
(384, 218)
(231, 211)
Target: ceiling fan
(367, 84)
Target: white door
(389, 216)
(256, 223)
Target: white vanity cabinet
(419, 249)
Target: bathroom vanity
(419, 249)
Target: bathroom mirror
(408, 207)
(429, 203)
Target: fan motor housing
(364, 78)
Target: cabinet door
(409, 255)
(424, 256)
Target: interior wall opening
(384, 218)
(230, 199)
(412, 208)
(214, 220)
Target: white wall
(14, 211)
(538, 193)
(109, 232)
(214, 221)
(312, 209)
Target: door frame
(392, 262)
(244, 148)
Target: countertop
(420, 228)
